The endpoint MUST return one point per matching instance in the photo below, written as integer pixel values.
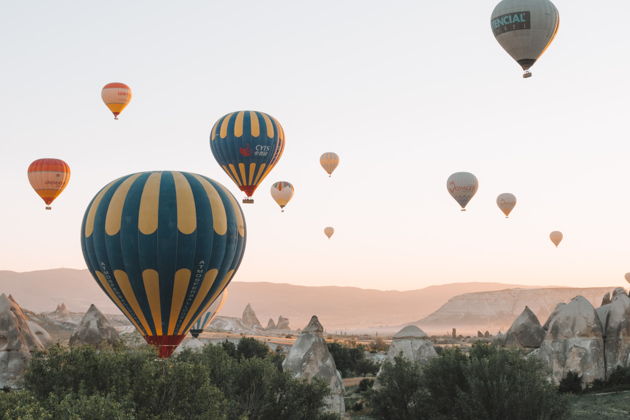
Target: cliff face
(497, 310)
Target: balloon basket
(527, 74)
(48, 208)
(463, 210)
(248, 200)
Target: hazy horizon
(406, 93)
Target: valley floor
(608, 406)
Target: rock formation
(228, 323)
(42, 335)
(283, 323)
(525, 331)
(413, 344)
(618, 291)
(615, 319)
(271, 325)
(496, 310)
(193, 344)
(16, 342)
(553, 314)
(309, 358)
(574, 342)
(249, 318)
(606, 299)
(94, 330)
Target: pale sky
(406, 92)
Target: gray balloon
(525, 28)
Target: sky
(406, 93)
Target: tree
(489, 383)
(82, 383)
(399, 393)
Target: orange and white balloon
(556, 237)
(328, 231)
(49, 177)
(506, 203)
(329, 162)
(116, 96)
(282, 192)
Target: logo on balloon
(262, 150)
(245, 151)
(511, 22)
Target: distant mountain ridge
(337, 307)
(496, 310)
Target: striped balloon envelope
(49, 177)
(282, 192)
(116, 96)
(247, 145)
(163, 246)
(329, 162)
(205, 319)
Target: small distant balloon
(116, 96)
(556, 237)
(525, 29)
(329, 162)
(328, 231)
(282, 192)
(462, 186)
(49, 177)
(506, 203)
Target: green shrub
(571, 383)
(250, 347)
(489, 383)
(351, 361)
(366, 384)
(82, 383)
(400, 394)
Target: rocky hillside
(496, 310)
(339, 307)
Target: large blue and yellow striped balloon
(247, 145)
(163, 246)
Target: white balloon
(282, 192)
(462, 186)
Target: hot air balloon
(506, 203)
(329, 162)
(282, 192)
(48, 177)
(116, 96)
(205, 319)
(247, 145)
(163, 246)
(556, 237)
(462, 186)
(525, 28)
(627, 276)
(328, 231)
